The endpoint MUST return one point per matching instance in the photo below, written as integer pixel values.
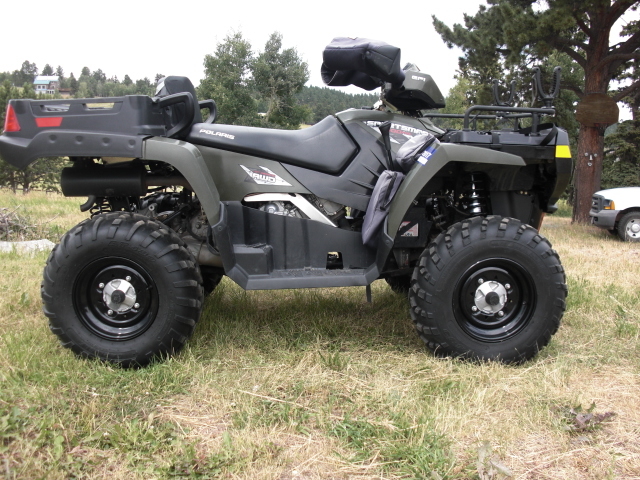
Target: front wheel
(629, 227)
(122, 288)
(488, 289)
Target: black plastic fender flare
(420, 175)
(188, 160)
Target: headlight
(608, 205)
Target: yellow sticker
(562, 151)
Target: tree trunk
(588, 171)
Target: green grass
(319, 384)
(564, 209)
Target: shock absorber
(474, 195)
(101, 205)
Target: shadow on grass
(299, 318)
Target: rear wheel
(488, 289)
(629, 227)
(122, 288)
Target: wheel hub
(633, 228)
(490, 297)
(119, 295)
(493, 299)
(115, 298)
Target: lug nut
(101, 285)
(110, 312)
(480, 281)
(507, 286)
(127, 278)
(136, 305)
(474, 309)
(501, 313)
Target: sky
(141, 39)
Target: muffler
(113, 182)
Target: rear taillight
(11, 120)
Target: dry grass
(319, 384)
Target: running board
(303, 278)
(260, 250)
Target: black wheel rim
(98, 316)
(494, 317)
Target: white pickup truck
(618, 210)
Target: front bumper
(604, 218)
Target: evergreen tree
(144, 87)
(621, 162)
(227, 81)
(324, 101)
(47, 70)
(27, 73)
(513, 32)
(99, 76)
(73, 84)
(278, 75)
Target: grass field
(318, 384)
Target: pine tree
(228, 81)
(513, 33)
(278, 76)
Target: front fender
(188, 160)
(420, 175)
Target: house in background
(46, 84)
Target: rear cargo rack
(83, 127)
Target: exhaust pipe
(113, 182)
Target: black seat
(325, 147)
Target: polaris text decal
(264, 176)
(217, 134)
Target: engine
(286, 209)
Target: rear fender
(188, 160)
(420, 175)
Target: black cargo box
(91, 127)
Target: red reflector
(48, 121)
(11, 120)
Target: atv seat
(325, 147)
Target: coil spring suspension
(100, 206)
(474, 195)
(439, 215)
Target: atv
(448, 218)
